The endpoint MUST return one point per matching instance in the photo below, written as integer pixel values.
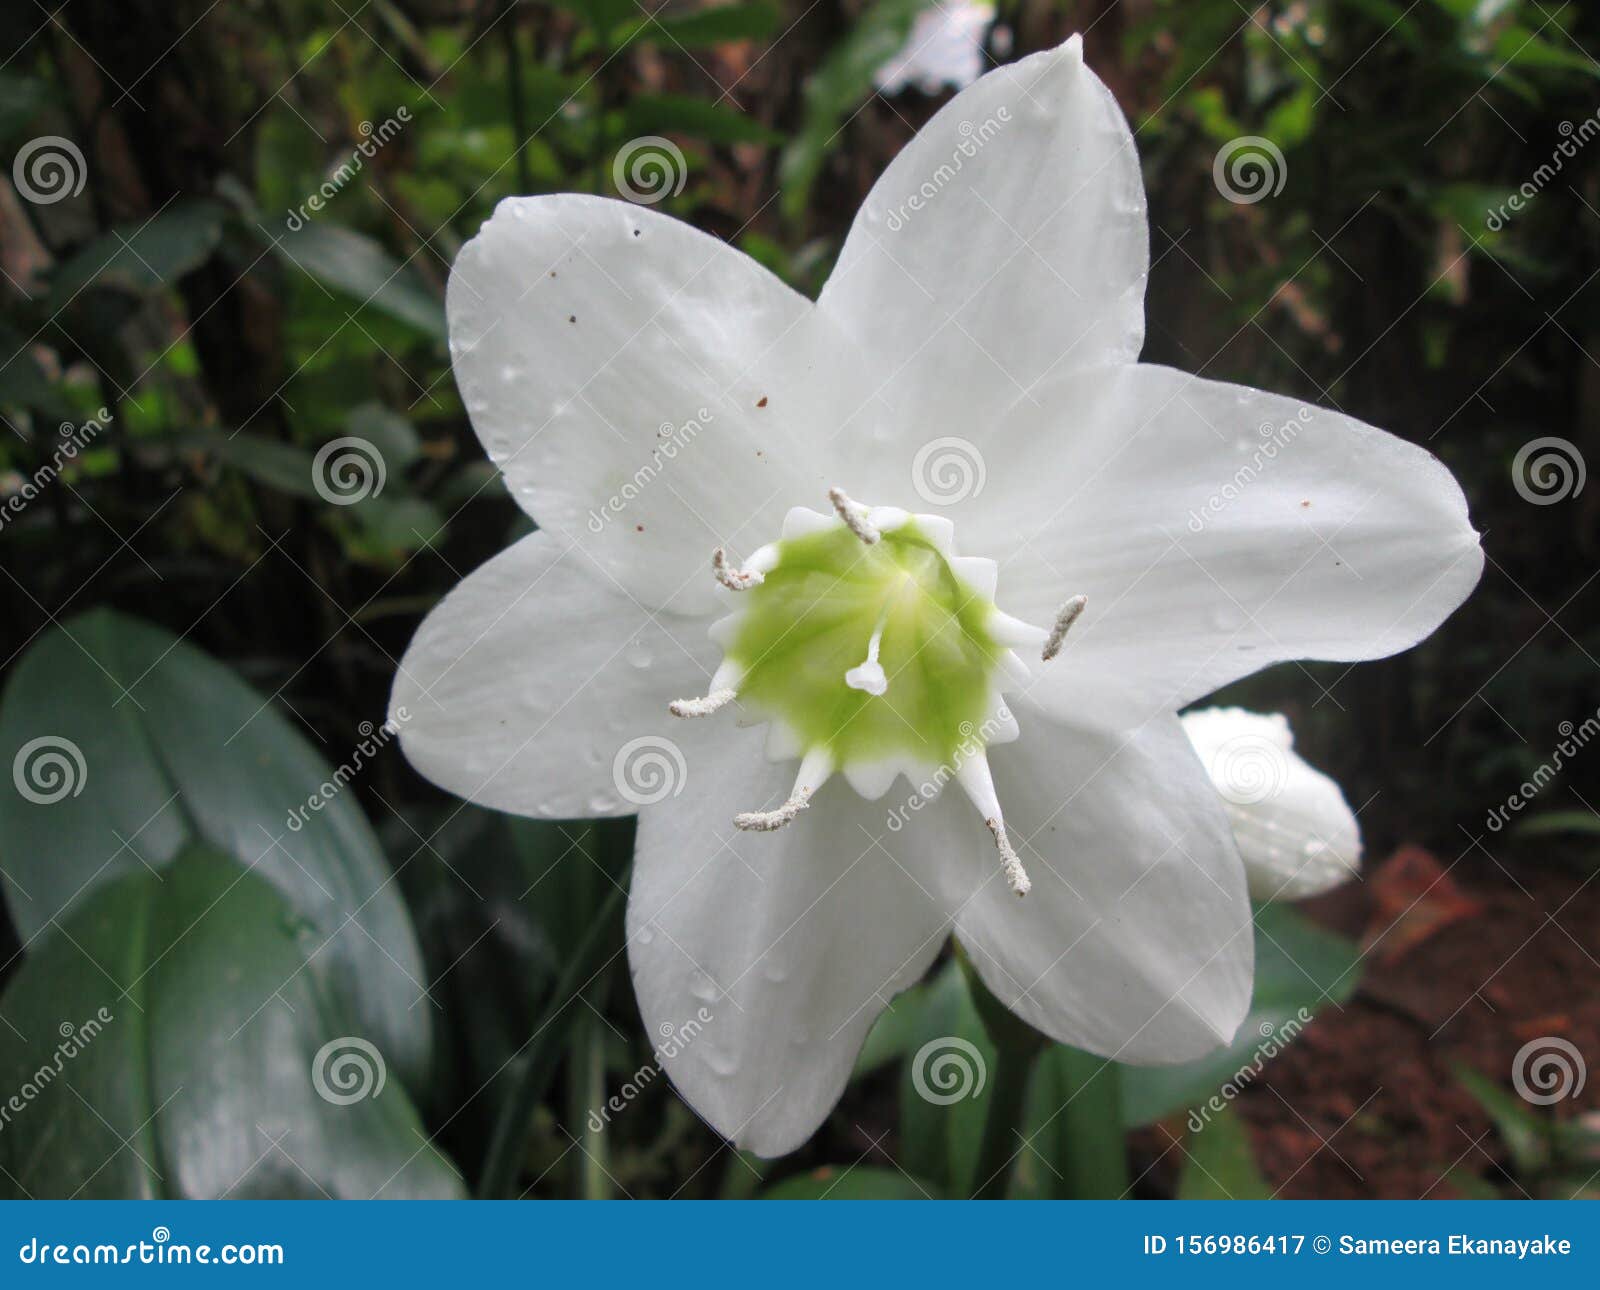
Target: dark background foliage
(230, 334)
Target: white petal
(649, 391)
(1006, 241)
(1135, 941)
(1296, 833)
(535, 687)
(791, 941)
(1216, 530)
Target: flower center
(873, 650)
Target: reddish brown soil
(1480, 960)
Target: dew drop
(704, 988)
(601, 803)
(638, 654)
(644, 936)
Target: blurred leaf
(285, 466)
(23, 383)
(896, 1032)
(140, 746)
(1548, 822)
(854, 1182)
(143, 256)
(21, 97)
(174, 1027)
(944, 1088)
(1220, 1164)
(834, 90)
(1297, 965)
(710, 26)
(355, 265)
(698, 118)
(389, 527)
(1524, 1133)
(387, 431)
(1073, 1129)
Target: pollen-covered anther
(731, 578)
(1010, 862)
(702, 707)
(854, 514)
(815, 768)
(1064, 620)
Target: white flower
(943, 48)
(651, 394)
(1297, 835)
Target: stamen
(702, 707)
(854, 514)
(731, 578)
(974, 777)
(1064, 620)
(815, 768)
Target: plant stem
(1007, 1093)
(542, 1053)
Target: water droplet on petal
(638, 654)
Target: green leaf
(944, 1088)
(709, 26)
(1073, 1129)
(143, 256)
(285, 466)
(832, 93)
(896, 1033)
(387, 431)
(1299, 967)
(1583, 822)
(698, 118)
(355, 265)
(158, 747)
(1220, 1164)
(168, 1040)
(854, 1182)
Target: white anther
(1064, 620)
(731, 578)
(974, 777)
(854, 514)
(702, 707)
(815, 768)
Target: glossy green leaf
(133, 745)
(1073, 1130)
(698, 118)
(1299, 968)
(177, 1036)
